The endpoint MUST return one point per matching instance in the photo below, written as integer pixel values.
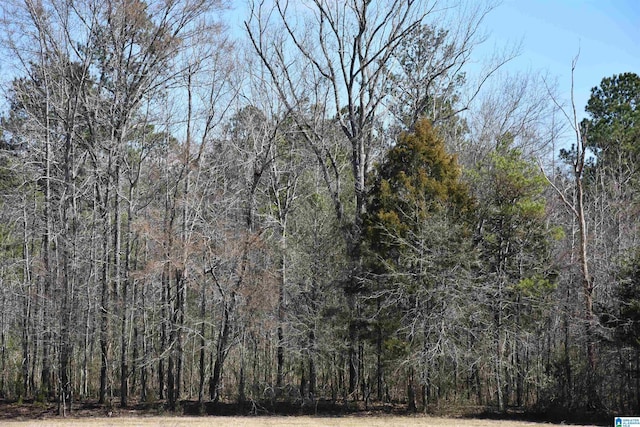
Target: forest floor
(89, 413)
(301, 421)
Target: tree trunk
(280, 330)
(411, 393)
(241, 380)
(221, 354)
(26, 308)
(105, 294)
(313, 375)
(379, 358)
(171, 386)
(3, 345)
(352, 346)
(201, 371)
(46, 336)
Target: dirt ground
(301, 421)
(190, 414)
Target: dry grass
(302, 421)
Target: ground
(301, 421)
(89, 413)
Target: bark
(48, 276)
(26, 305)
(221, 353)
(379, 361)
(105, 295)
(313, 374)
(281, 317)
(202, 362)
(124, 302)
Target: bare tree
(575, 204)
(335, 61)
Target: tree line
(329, 206)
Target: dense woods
(335, 204)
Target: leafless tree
(334, 61)
(575, 204)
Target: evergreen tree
(516, 270)
(415, 236)
(612, 129)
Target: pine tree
(415, 237)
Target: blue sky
(606, 32)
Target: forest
(334, 203)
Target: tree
(514, 241)
(49, 104)
(612, 176)
(96, 66)
(611, 185)
(140, 48)
(416, 179)
(577, 159)
(624, 319)
(426, 75)
(612, 126)
(414, 231)
(338, 62)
